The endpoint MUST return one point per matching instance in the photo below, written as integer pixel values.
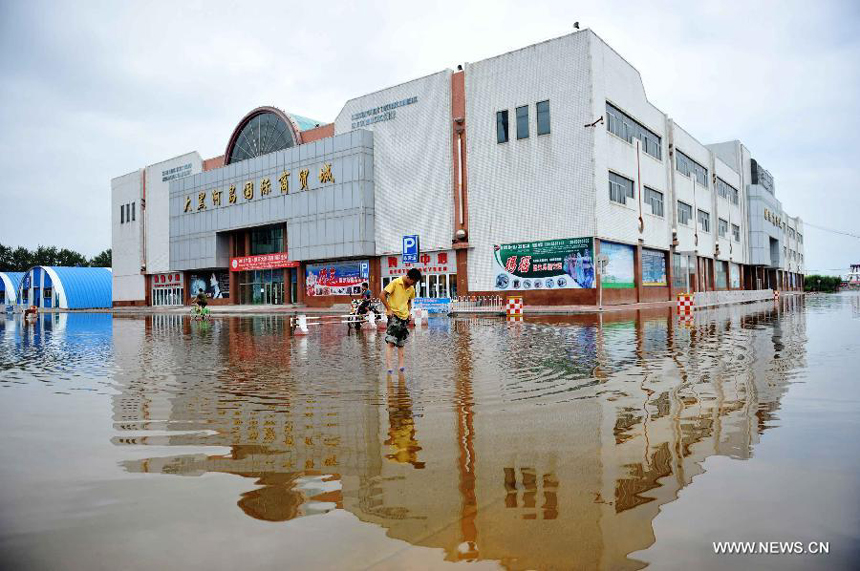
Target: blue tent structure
(66, 288)
(9, 282)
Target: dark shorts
(397, 331)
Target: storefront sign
(173, 279)
(619, 270)
(262, 262)
(215, 284)
(381, 113)
(336, 278)
(428, 262)
(774, 219)
(432, 304)
(176, 172)
(560, 264)
(216, 198)
(653, 268)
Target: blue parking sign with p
(410, 249)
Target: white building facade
(516, 173)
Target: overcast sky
(93, 90)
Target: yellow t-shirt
(399, 296)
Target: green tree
(102, 259)
(44, 256)
(70, 258)
(5, 258)
(21, 258)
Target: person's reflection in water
(401, 430)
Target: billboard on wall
(215, 284)
(549, 264)
(653, 268)
(619, 270)
(444, 262)
(336, 278)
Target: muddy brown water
(613, 442)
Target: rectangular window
(736, 232)
(704, 221)
(655, 199)
(620, 188)
(543, 117)
(723, 228)
(122, 213)
(727, 191)
(688, 167)
(133, 210)
(685, 213)
(502, 126)
(622, 125)
(523, 122)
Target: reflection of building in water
(545, 444)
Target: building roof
(84, 288)
(304, 123)
(9, 282)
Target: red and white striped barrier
(685, 304)
(515, 306)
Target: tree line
(21, 259)
(827, 284)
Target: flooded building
(57, 287)
(511, 175)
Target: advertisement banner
(262, 262)
(432, 304)
(619, 270)
(548, 264)
(336, 278)
(215, 284)
(653, 268)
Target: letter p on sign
(410, 249)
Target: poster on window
(619, 270)
(215, 284)
(549, 264)
(735, 271)
(336, 278)
(653, 268)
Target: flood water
(617, 442)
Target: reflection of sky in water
(530, 443)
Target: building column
(300, 283)
(462, 255)
(637, 271)
(669, 273)
(287, 285)
(233, 283)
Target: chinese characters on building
(213, 197)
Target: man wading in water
(397, 298)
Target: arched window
(261, 132)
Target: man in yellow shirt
(397, 298)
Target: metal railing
(478, 304)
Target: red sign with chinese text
(262, 262)
(173, 279)
(428, 262)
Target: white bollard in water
(301, 325)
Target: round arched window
(260, 134)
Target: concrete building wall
(411, 125)
(617, 82)
(331, 218)
(157, 211)
(540, 187)
(702, 198)
(126, 238)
